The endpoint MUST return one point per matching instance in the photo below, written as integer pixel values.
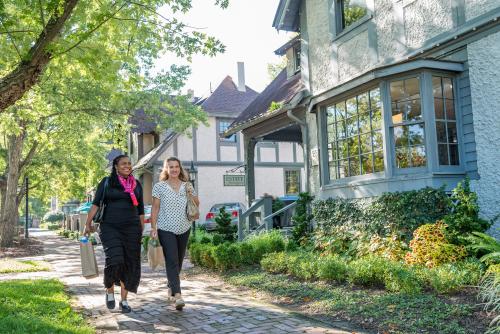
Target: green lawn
(373, 309)
(21, 266)
(38, 306)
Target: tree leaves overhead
(107, 40)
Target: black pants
(174, 249)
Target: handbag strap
(104, 191)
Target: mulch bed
(22, 248)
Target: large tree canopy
(110, 38)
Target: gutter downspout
(305, 139)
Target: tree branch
(26, 74)
(11, 39)
(15, 31)
(87, 34)
(42, 17)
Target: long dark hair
(113, 177)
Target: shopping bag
(89, 262)
(155, 254)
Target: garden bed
(372, 309)
(22, 248)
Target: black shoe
(110, 303)
(125, 308)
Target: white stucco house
(218, 160)
(395, 95)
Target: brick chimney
(241, 77)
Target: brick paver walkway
(211, 306)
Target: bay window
(417, 115)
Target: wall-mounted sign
(315, 156)
(234, 180)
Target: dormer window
(350, 12)
(296, 58)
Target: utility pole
(27, 208)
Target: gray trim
(369, 77)
(140, 146)
(237, 163)
(294, 153)
(304, 49)
(323, 147)
(195, 143)
(220, 142)
(277, 152)
(459, 7)
(176, 147)
(385, 99)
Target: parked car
(147, 220)
(233, 208)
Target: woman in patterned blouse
(170, 224)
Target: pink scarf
(129, 184)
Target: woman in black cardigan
(120, 231)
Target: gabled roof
(147, 160)
(281, 90)
(227, 99)
(287, 15)
(284, 48)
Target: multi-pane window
(408, 123)
(446, 121)
(350, 12)
(223, 126)
(292, 182)
(354, 136)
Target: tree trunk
(27, 73)
(9, 214)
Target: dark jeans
(174, 249)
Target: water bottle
(84, 240)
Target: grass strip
(38, 306)
(22, 266)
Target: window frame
(339, 17)
(428, 118)
(222, 140)
(285, 170)
(424, 121)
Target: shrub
(217, 239)
(486, 245)
(53, 216)
(391, 247)
(404, 212)
(332, 268)
(224, 226)
(247, 254)
(51, 226)
(334, 212)
(464, 217)
(401, 278)
(226, 256)
(489, 294)
(275, 262)
(431, 248)
(267, 242)
(452, 277)
(302, 218)
(367, 271)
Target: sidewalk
(211, 307)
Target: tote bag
(89, 262)
(155, 254)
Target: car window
(227, 206)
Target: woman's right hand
(153, 234)
(88, 229)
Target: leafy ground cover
(9, 265)
(38, 306)
(373, 309)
